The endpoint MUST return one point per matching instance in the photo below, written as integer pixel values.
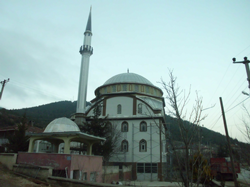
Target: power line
(237, 104)
(239, 94)
(242, 51)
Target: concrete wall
(127, 173)
(113, 173)
(57, 161)
(110, 173)
(92, 165)
(41, 172)
(8, 159)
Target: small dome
(61, 125)
(128, 78)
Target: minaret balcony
(86, 49)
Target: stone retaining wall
(8, 159)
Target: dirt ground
(9, 179)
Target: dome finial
(128, 70)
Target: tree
(19, 141)
(201, 171)
(103, 128)
(178, 100)
(246, 122)
(223, 150)
(245, 149)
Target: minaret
(86, 51)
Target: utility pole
(229, 145)
(3, 84)
(246, 62)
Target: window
(146, 167)
(93, 176)
(147, 89)
(119, 109)
(124, 126)
(143, 126)
(140, 167)
(150, 168)
(137, 88)
(140, 108)
(124, 87)
(143, 146)
(84, 176)
(124, 146)
(113, 88)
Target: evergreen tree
(222, 151)
(19, 141)
(103, 128)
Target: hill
(42, 115)
(208, 136)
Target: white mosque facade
(136, 107)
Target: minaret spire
(86, 51)
(88, 27)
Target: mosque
(136, 107)
(132, 104)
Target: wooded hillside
(42, 115)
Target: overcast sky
(40, 41)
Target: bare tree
(244, 151)
(246, 122)
(189, 124)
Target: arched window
(119, 109)
(140, 108)
(143, 126)
(143, 146)
(124, 126)
(124, 146)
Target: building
(136, 107)
(62, 134)
(5, 132)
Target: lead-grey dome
(128, 78)
(61, 125)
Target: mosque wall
(126, 106)
(136, 137)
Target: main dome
(61, 125)
(128, 78)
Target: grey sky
(40, 41)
